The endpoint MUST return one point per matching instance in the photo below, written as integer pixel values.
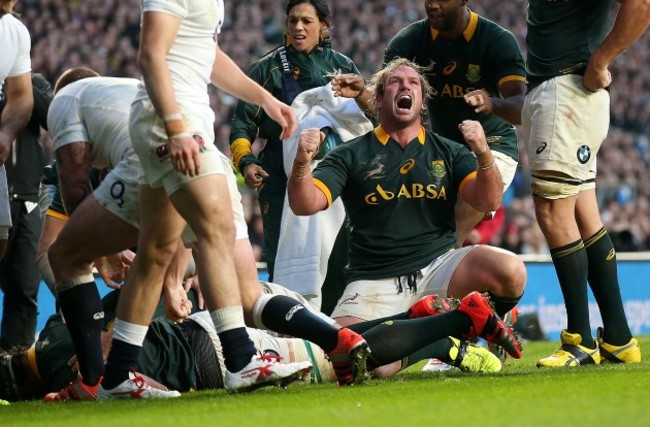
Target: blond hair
(378, 82)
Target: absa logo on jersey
(412, 191)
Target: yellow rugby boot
(570, 353)
(626, 353)
(472, 358)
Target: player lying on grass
(187, 356)
(89, 126)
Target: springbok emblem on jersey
(473, 73)
(438, 168)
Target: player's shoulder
(489, 28)
(354, 146)
(271, 55)
(14, 26)
(340, 57)
(413, 30)
(266, 62)
(442, 143)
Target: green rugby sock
(603, 280)
(570, 263)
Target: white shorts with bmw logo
(564, 125)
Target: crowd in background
(103, 35)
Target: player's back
(96, 110)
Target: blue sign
(542, 296)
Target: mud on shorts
(564, 125)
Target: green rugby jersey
(166, 355)
(485, 57)
(562, 35)
(400, 200)
(311, 70)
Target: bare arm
(177, 306)
(304, 197)
(17, 112)
(74, 164)
(631, 22)
(227, 76)
(485, 192)
(508, 108)
(353, 86)
(156, 39)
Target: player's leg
(212, 221)
(51, 227)
(394, 340)
(91, 232)
(489, 269)
(271, 200)
(292, 350)
(160, 230)
(283, 313)
(561, 156)
(5, 211)
(616, 342)
(19, 278)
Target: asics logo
(293, 311)
(449, 68)
(611, 254)
(407, 166)
(99, 315)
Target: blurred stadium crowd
(103, 34)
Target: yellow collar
(469, 31)
(383, 137)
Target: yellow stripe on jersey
(322, 187)
(466, 181)
(511, 78)
(57, 215)
(240, 148)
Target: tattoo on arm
(74, 164)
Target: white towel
(306, 242)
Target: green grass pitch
(520, 395)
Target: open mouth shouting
(404, 103)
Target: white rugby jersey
(95, 110)
(15, 45)
(191, 56)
